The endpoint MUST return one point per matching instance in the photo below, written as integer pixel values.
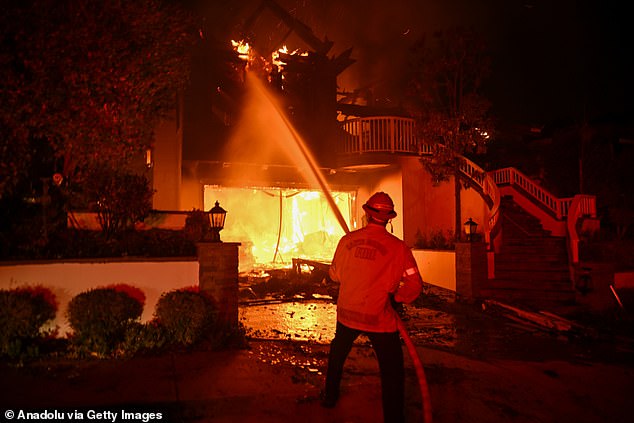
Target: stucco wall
(69, 279)
(473, 206)
(368, 182)
(167, 163)
(437, 267)
(427, 208)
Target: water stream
(297, 150)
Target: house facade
(292, 163)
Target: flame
(272, 64)
(242, 48)
(275, 224)
(274, 230)
(483, 133)
(275, 56)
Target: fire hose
(420, 372)
(418, 366)
(411, 349)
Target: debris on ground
(541, 320)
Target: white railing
(571, 209)
(558, 207)
(380, 134)
(511, 176)
(395, 134)
(579, 206)
(488, 188)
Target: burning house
(264, 131)
(261, 131)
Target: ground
(480, 365)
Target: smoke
(380, 33)
(263, 136)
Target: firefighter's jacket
(370, 264)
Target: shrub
(119, 198)
(187, 316)
(89, 244)
(23, 313)
(437, 240)
(99, 319)
(143, 338)
(78, 243)
(197, 226)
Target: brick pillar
(218, 277)
(471, 268)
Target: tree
(451, 113)
(119, 198)
(92, 79)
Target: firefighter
(372, 267)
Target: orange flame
(242, 48)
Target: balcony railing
(393, 134)
(380, 134)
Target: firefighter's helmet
(380, 207)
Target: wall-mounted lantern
(217, 217)
(470, 228)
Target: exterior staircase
(531, 266)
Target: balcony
(379, 134)
(374, 142)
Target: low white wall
(624, 280)
(67, 279)
(437, 267)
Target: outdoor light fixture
(470, 228)
(217, 217)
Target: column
(218, 278)
(471, 269)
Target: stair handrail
(571, 209)
(581, 205)
(511, 176)
(481, 179)
(397, 134)
(488, 188)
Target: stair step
(531, 266)
(523, 284)
(517, 252)
(514, 232)
(522, 250)
(533, 255)
(535, 282)
(528, 268)
(531, 259)
(537, 299)
(512, 220)
(534, 240)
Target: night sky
(557, 60)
